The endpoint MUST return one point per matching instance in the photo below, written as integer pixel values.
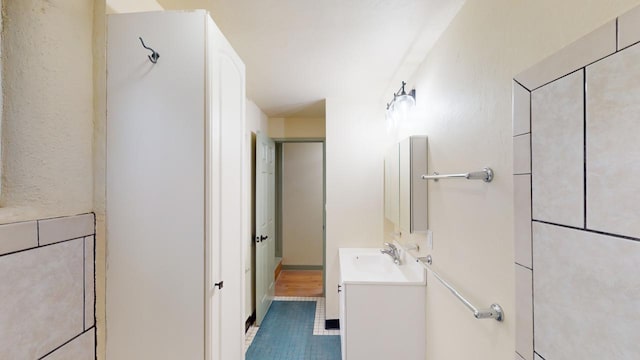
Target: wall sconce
(399, 107)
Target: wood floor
(305, 283)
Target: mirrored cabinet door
(412, 189)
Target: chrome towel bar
(485, 174)
(494, 312)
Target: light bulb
(402, 105)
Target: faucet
(392, 251)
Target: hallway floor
(299, 283)
(290, 331)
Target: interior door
(214, 282)
(225, 283)
(265, 224)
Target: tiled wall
(47, 289)
(576, 121)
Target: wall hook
(154, 56)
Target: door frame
(278, 231)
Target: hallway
(305, 283)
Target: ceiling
(299, 52)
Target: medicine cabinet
(405, 191)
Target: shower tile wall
(577, 210)
(47, 287)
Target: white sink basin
(369, 266)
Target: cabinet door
(413, 190)
(342, 292)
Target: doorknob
(219, 285)
(263, 238)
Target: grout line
(588, 230)
(39, 247)
(65, 343)
(535, 352)
(523, 134)
(519, 83)
(524, 266)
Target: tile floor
(285, 333)
(318, 323)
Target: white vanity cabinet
(382, 322)
(382, 316)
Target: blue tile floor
(286, 333)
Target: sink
(369, 266)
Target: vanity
(382, 306)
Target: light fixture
(399, 107)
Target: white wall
(126, 6)
(48, 109)
(256, 121)
(302, 202)
(354, 166)
(464, 106)
(290, 128)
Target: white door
(214, 281)
(227, 108)
(265, 224)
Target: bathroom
(54, 144)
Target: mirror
(412, 189)
(405, 193)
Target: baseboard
(331, 324)
(301, 267)
(250, 321)
(278, 269)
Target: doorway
(296, 251)
(298, 272)
(300, 218)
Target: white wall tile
(65, 228)
(89, 282)
(81, 348)
(524, 312)
(522, 154)
(629, 28)
(613, 149)
(557, 143)
(521, 109)
(586, 294)
(594, 46)
(18, 236)
(42, 299)
(522, 219)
